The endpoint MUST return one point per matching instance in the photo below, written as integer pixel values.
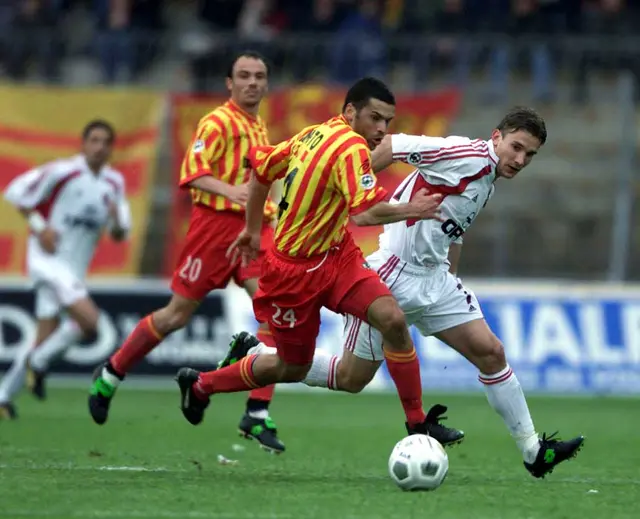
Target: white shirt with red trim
(463, 170)
(75, 202)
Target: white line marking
(141, 514)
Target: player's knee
(393, 326)
(491, 358)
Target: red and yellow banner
(287, 112)
(42, 124)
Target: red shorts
(203, 265)
(292, 291)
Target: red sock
(264, 394)
(141, 341)
(232, 379)
(404, 369)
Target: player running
(68, 204)
(214, 171)
(418, 260)
(314, 261)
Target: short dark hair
(365, 89)
(246, 54)
(526, 119)
(99, 124)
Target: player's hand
(48, 240)
(246, 245)
(427, 205)
(238, 194)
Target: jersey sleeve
(30, 189)
(445, 158)
(270, 163)
(205, 149)
(356, 181)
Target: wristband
(36, 222)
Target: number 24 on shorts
(278, 316)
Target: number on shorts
(288, 316)
(191, 269)
(284, 204)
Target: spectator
(33, 34)
(359, 48)
(127, 36)
(527, 26)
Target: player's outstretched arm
(247, 244)
(422, 206)
(382, 156)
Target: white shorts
(432, 299)
(57, 287)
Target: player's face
(371, 121)
(249, 82)
(515, 150)
(97, 147)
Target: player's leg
(362, 293)
(80, 322)
(202, 267)
(46, 310)
(285, 299)
(457, 321)
(61, 290)
(255, 422)
(148, 333)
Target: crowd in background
(366, 36)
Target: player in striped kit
(314, 261)
(215, 172)
(418, 261)
(68, 204)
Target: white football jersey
(75, 202)
(461, 169)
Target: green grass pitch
(148, 462)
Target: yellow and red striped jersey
(219, 146)
(328, 177)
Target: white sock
(323, 371)
(64, 336)
(261, 348)
(110, 378)
(261, 414)
(14, 378)
(507, 399)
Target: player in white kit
(418, 260)
(68, 205)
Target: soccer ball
(418, 462)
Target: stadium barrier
(560, 338)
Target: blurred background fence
(153, 67)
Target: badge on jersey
(198, 146)
(367, 181)
(414, 158)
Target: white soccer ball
(418, 462)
